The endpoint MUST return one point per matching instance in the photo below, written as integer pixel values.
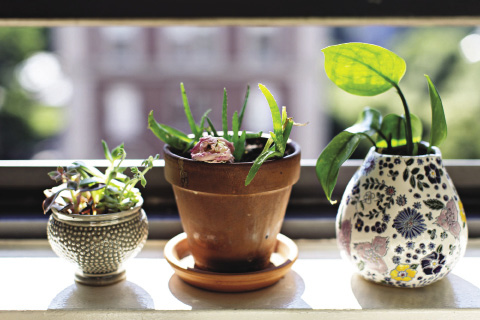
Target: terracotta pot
(401, 222)
(98, 244)
(230, 227)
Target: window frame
(47, 12)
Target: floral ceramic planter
(400, 221)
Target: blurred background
(64, 89)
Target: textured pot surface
(230, 227)
(400, 221)
(98, 244)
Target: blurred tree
(17, 136)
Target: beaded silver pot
(100, 244)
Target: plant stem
(408, 122)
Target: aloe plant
(183, 143)
(368, 70)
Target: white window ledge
(35, 284)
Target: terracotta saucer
(178, 255)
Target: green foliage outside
(23, 121)
(434, 51)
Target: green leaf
(224, 115)
(368, 122)
(167, 134)
(235, 127)
(242, 112)
(240, 146)
(212, 128)
(439, 124)
(286, 132)
(106, 151)
(48, 202)
(202, 123)
(393, 127)
(417, 128)
(264, 156)
(254, 135)
(333, 156)
(363, 69)
(88, 181)
(118, 152)
(277, 120)
(83, 167)
(434, 204)
(188, 111)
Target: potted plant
(400, 220)
(96, 220)
(231, 187)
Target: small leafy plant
(86, 190)
(368, 70)
(183, 143)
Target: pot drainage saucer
(178, 255)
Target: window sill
(38, 285)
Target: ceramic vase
(98, 245)
(231, 227)
(400, 221)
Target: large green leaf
(363, 69)
(393, 128)
(439, 123)
(333, 156)
(276, 117)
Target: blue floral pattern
(409, 223)
(433, 263)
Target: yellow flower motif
(403, 273)
(462, 212)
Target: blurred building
(119, 74)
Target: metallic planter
(98, 245)
(230, 227)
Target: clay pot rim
(99, 217)
(292, 143)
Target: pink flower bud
(213, 149)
